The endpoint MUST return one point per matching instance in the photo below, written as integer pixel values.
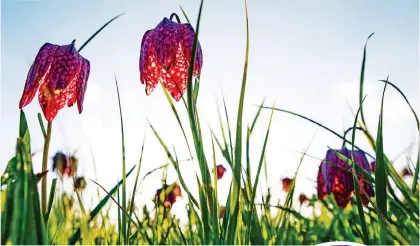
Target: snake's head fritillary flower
(60, 74)
(60, 162)
(177, 190)
(334, 176)
(168, 194)
(65, 165)
(406, 172)
(165, 55)
(303, 198)
(220, 171)
(286, 182)
(71, 169)
(80, 183)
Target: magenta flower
(61, 74)
(334, 176)
(220, 171)
(165, 55)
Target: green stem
(44, 167)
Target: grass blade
(135, 187)
(76, 236)
(124, 183)
(97, 32)
(125, 212)
(254, 191)
(417, 169)
(362, 80)
(175, 164)
(356, 182)
(318, 124)
(234, 196)
(380, 174)
(168, 98)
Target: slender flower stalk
(44, 167)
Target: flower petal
(65, 66)
(37, 71)
(146, 44)
(82, 83)
(329, 169)
(52, 101)
(360, 158)
(152, 71)
(60, 81)
(166, 42)
(321, 188)
(187, 42)
(342, 187)
(176, 82)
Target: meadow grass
(392, 216)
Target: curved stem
(176, 16)
(348, 130)
(44, 167)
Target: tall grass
(392, 217)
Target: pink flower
(61, 74)
(165, 55)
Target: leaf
(362, 80)
(380, 175)
(124, 183)
(356, 182)
(235, 191)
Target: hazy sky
(305, 56)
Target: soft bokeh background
(305, 56)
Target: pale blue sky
(304, 55)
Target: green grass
(392, 216)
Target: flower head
(286, 182)
(334, 176)
(80, 183)
(65, 165)
(165, 55)
(220, 171)
(303, 198)
(406, 172)
(61, 74)
(168, 194)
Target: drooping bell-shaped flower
(65, 165)
(220, 171)
(406, 172)
(167, 195)
(286, 183)
(165, 55)
(303, 198)
(61, 74)
(334, 176)
(80, 183)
